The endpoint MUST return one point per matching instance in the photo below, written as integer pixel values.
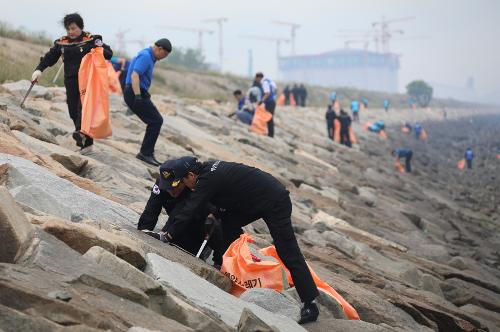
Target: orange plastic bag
(281, 100)
(498, 156)
(114, 79)
(292, 100)
(336, 132)
(94, 95)
(260, 120)
(423, 135)
(400, 168)
(461, 164)
(352, 137)
(242, 267)
(382, 134)
(405, 130)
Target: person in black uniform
(345, 123)
(244, 194)
(72, 48)
(330, 117)
(173, 200)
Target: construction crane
(384, 32)
(220, 21)
(278, 41)
(293, 29)
(199, 31)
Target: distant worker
(244, 110)
(345, 124)
(268, 98)
(445, 113)
(355, 110)
(330, 117)
(303, 95)
(121, 65)
(386, 105)
(138, 99)
(377, 127)
(72, 48)
(296, 94)
(468, 157)
(333, 97)
(365, 102)
(287, 92)
(418, 130)
(403, 153)
(244, 194)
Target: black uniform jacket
(72, 51)
(231, 187)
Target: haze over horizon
(459, 35)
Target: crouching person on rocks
(72, 48)
(173, 199)
(243, 194)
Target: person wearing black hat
(243, 194)
(138, 99)
(173, 198)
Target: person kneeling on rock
(244, 194)
(173, 199)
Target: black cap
(165, 44)
(172, 171)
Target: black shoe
(156, 160)
(148, 159)
(78, 138)
(309, 313)
(158, 236)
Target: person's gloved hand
(98, 43)
(36, 75)
(210, 224)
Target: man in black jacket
(173, 200)
(244, 194)
(72, 48)
(345, 124)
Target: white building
(343, 68)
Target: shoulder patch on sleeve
(156, 190)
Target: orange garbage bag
(260, 120)
(461, 164)
(423, 135)
(114, 79)
(405, 130)
(498, 156)
(382, 134)
(281, 100)
(247, 271)
(400, 168)
(336, 131)
(292, 100)
(352, 137)
(94, 95)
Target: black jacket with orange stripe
(72, 51)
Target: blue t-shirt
(386, 103)
(403, 153)
(143, 65)
(469, 155)
(355, 106)
(117, 65)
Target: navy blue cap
(172, 171)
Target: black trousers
(408, 162)
(147, 112)
(345, 138)
(329, 130)
(278, 220)
(469, 163)
(74, 104)
(270, 107)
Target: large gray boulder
(42, 190)
(15, 229)
(273, 301)
(209, 298)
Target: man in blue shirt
(121, 65)
(244, 112)
(418, 130)
(403, 153)
(468, 157)
(355, 110)
(138, 99)
(268, 98)
(386, 105)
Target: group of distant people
(299, 94)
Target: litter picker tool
(27, 93)
(209, 227)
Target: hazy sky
(462, 34)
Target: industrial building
(355, 68)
